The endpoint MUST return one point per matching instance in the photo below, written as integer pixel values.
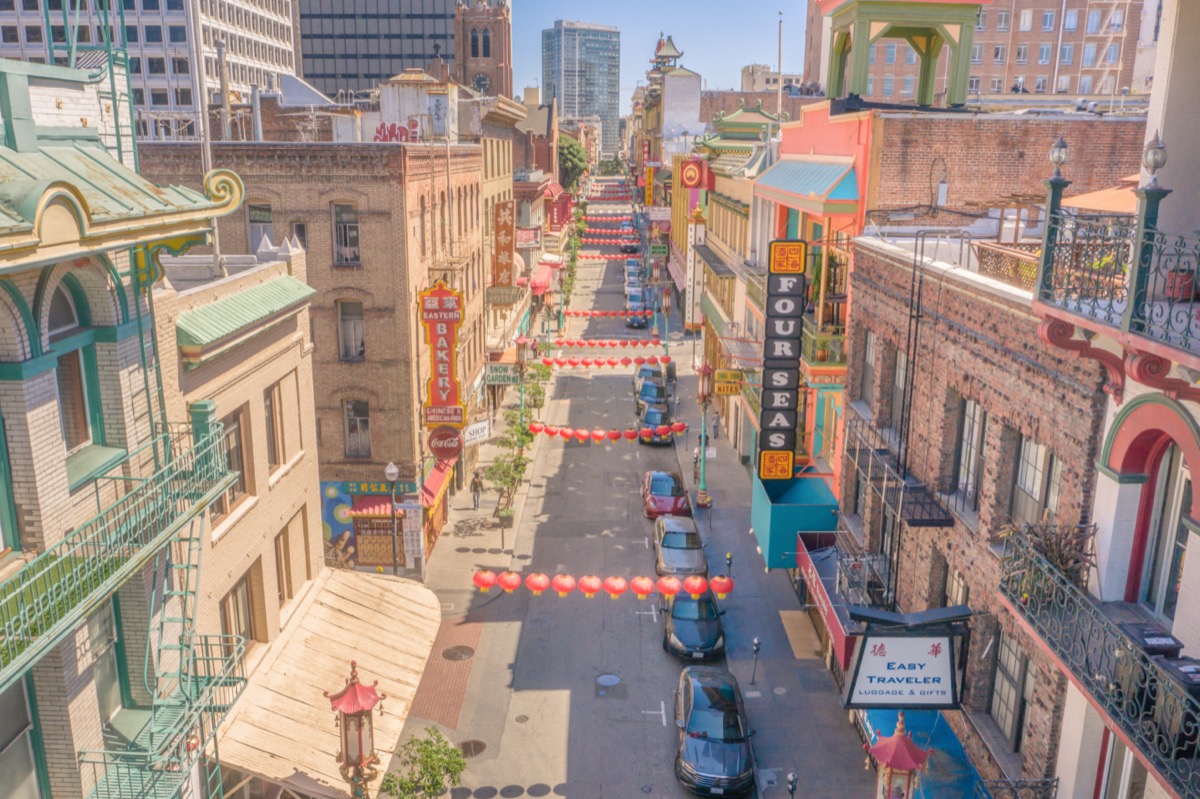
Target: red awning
(522, 281)
(371, 506)
(436, 482)
(540, 283)
(820, 587)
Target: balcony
(159, 758)
(756, 290)
(1156, 715)
(1016, 789)
(824, 347)
(54, 593)
(1014, 263)
(1104, 269)
(904, 497)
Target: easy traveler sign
(442, 315)
(900, 671)
(779, 417)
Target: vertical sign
(649, 185)
(504, 243)
(694, 277)
(778, 417)
(442, 314)
(414, 517)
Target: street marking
(753, 694)
(652, 612)
(661, 712)
(646, 541)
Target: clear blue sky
(717, 37)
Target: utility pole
(779, 79)
(203, 127)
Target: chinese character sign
(442, 314)
(649, 186)
(504, 244)
(780, 401)
(904, 671)
(693, 318)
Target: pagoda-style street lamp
(703, 500)
(354, 705)
(899, 760)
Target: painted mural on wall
(338, 527)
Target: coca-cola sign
(445, 443)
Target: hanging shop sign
(354, 488)
(727, 389)
(503, 240)
(659, 213)
(442, 315)
(501, 374)
(778, 417)
(728, 375)
(898, 670)
(691, 175)
(477, 433)
(649, 186)
(445, 443)
(414, 527)
(693, 318)
(529, 238)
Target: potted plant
(506, 517)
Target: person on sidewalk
(476, 489)
(716, 425)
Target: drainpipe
(223, 74)
(256, 111)
(1062, 15)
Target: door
(1167, 543)
(1124, 775)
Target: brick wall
(977, 343)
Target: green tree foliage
(572, 161)
(430, 766)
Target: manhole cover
(647, 789)
(608, 680)
(472, 748)
(521, 719)
(458, 653)
(779, 691)
(538, 621)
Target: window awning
(436, 482)
(281, 729)
(205, 332)
(540, 283)
(371, 506)
(823, 185)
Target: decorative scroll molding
(1062, 335)
(1154, 371)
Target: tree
(430, 767)
(572, 161)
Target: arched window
(475, 43)
(75, 368)
(487, 43)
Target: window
(352, 342)
(973, 84)
(889, 53)
(1035, 490)
(273, 422)
(1002, 20)
(888, 85)
(474, 43)
(1112, 54)
(1071, 21)
(999, 54)
(1011, 690)
(899, 378)
(1022, 54)
(180, 66)
(1040, 83)
(183, 96)
(156, 66)
(10, 35)
(237, 614)
(487, 43)
(981, 20)
(867, 393)
(1085, 84)
(139, 96)
(871, 54)
(1048, 20)
(997, 85)
(870, 85)
(1093, 21)
(259, 217)
(1089, 55)
(1025, 20)
(135, 66)
(1116, 20)
(16, 747)
(29, 5)
(235, 458)
(358, 429)
(177, 34)
(283, 566)
(910, 83)
(159, 97)
(33, 34)
(58, 33)
(152, 34)
(73, 406)
(150, 5)
(910, 55)
(972, 432)
(1162, 571)
(300, 232)
(1067, 54)
(345, 235)
(8, 5)
(977, 54)
(1064, 84)
(957, 592)
(1044, 52)
(102, 641)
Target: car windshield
(686, 609)
(681, 540)
(664, 485)
(715, 716)
(651, 372)
(653, 392)
(655, 417)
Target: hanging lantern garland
(588, 363)
(598, 435)
(607, 314)
(615, 585)
(613, 342)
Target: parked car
(714, 756)
(636, 322)
(692, 628)
(664, 493)
(678, 548)
(633, 285)
(652, 392)
(646, 372)
(653, 417)
(629, 248)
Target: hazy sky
(717, 37)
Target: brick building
(535, 144)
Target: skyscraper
(581, 68)
(355, 44)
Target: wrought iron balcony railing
(1014, 263)
(161, 758)
(824, 347)
(756, 290)
(1016, 789)
(1155, 713)
(53, 593)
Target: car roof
(678, 524)
(661, 407)
(709, 676)
(660, 472)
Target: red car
(663, 494)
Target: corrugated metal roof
(823, 179)
(224, 317)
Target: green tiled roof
(218, 320)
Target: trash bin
(1177, 713)
(1136, 682)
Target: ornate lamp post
(703, 500)
(391, 473)
(522, 355)
(899, 760)
(354, 705)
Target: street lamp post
(522, 344)
(354, 706)
(391, 473)
(703, 500)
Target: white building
(761, 78)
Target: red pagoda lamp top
(355, 697)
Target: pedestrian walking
(716, 425)
(476, 489)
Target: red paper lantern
(645, 342)
(572, 361)
(536, 427)
(639, 360)
(589, 584)
(585, 361)
(551, 430)
(537, 583)
(566, 432)
(663, 429)
(626, 361)
(664, 358)
(695, 585)
(509, 580)
(721, 585)
(582, 435)
(646, 432)
(642, 587)
(484, 579)
(652, 360)
(563, 584)
(560, 361)
(630, 434)
(669, 586)
(599, 435)
(613, 435)
(558, 342)
(612, 362)
(678, 427)
(656, 342)
(547, 361)
(615, 586)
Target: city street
(574, 696)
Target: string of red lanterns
(600, 363)
(617, 257)
(607, 314)
(629, 434)
(615, 342)
(593, 218)
(589, 585)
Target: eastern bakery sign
(442, 315)
(778, 417)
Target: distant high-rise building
(483, 46)
(581, 69)
(353, 45)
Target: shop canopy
(818, 184)
(371, 506)
(1117, 200)
(436, 482)
(540, 283)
